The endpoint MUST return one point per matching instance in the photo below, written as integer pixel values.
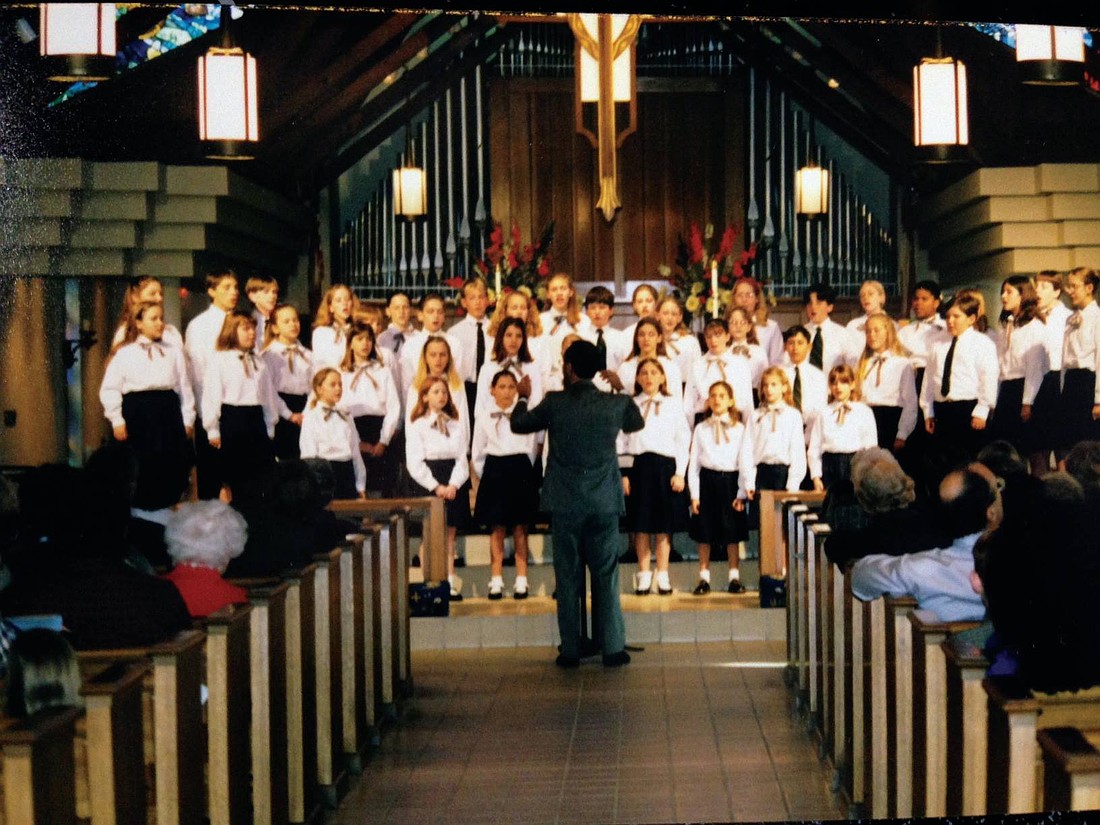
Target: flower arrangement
(510, 265)
(704, 279)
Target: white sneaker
(643, 582)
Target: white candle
(714, 284)
(497, 290)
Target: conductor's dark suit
(583, 493)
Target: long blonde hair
(325, 318)
(534, 322)
(573, 310)
(454, 382)
(777, 372)
(892, 346)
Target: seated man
(940, 579)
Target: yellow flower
(697, 288)
(541, 293)
(692, 303)
(664, 270)
(710, 306)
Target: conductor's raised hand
(524, 387)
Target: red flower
(528, 254)
(515, 234)
(544, 268)
(457, 282)
(496, 237)
(696, 252)
(512, 262)
(725, 248)
(738, 269)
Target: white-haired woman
(202, 537)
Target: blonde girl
(329, 434)
(656, 501)
(749, 295)
(720, 474)
(146, 289)
(681, 343)
(745, 343)
(844, 427)
(886, 383)
(370, 397)
(291, 368)
(779, 446)
(146, 395)
(331, 326)
(437, 361)
(435, 453)
(872, 300)
(644, 303)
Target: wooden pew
(773, 541)
(39, 768)
(227, 715)
(930, 712)
(967, 727)
(267, 669)
(1016, 714)
(327, 675)
(433, 554)
(841, 611)
(899, 705)
(303, 798)
(355, 687)
(403, 610)
(822, 641)
(177, 733)
(113, 736)
(800, 599)
(1071, 769)
(870, 685)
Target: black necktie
(817, 348)
(797, 392)
(945, 385)
(398, 340)
(601, 345)
(480, 348)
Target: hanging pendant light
(940, 120)
(1050, 55)
(228, 111)
(410, 185)
(811, 190)
(77, 41)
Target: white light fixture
(940, 120)
(811, 190)
(228, 110)
(1050, 55)
(410, 184)
(77, 40)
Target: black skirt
(458, 510)
(1005, 422)
(508, 493)
(768, 477)
(954, 439)
(652, 507)
(382, 471)
(343, 472)
(1075, 422)
(155, 432)
(1044, 413)
(717, 523)
(835, 467)
(246, 451)
(886, 425)
(288, 435)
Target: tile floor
(686, 732)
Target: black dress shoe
(519, 595)
(567, 662)
(702, 588)
(662, 592)
(735, 586)
(415, 561)
(616, 659)
(455, 595)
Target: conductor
(583, 493)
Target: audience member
(940, 578)
(202, 537)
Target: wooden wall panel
(684, 164)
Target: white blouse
(722, 445)
(493, 436)
(771, 340)
(840, 428)
(1021, 353)
(755, 355)
(665, 432)
(329, 433)
(1056, 333)
(200, 344)
(329, 346)
(684, 349)
(291, 368)
(458, 396)
(171, 335)
(435, 436)
(483, 401)
(239, 379)
(710, 368)
(888, 381)
(920, 337)
(371, 390)
(777, 438)
(146, 365)
(1081, 348)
